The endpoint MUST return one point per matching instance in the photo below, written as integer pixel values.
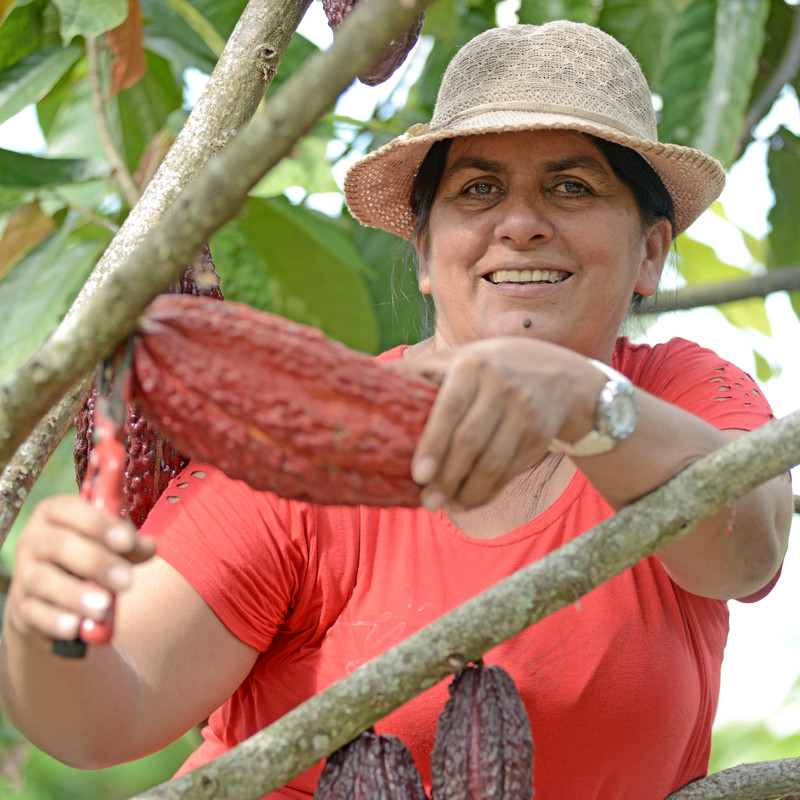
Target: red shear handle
(102, 486)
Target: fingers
(484, 428)
(71, 561)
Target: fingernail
(96, 601)
(119, 577)
(433, 501)
(424, 469)
(120, 538)
(68, 625)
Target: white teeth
(526, 276)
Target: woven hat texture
(563, 76)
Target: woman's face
(536, 226)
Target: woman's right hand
(71, 560)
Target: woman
(540, 205)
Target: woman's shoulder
(695, 378)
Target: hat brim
(378, 187)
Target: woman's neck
(522, 499)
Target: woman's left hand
(501, 402)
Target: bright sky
(763, 656)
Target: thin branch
(786, 279)
(27, 463)
(214, 198)
(784, 73)
(766, 780)
(127, 186)
(330, 719)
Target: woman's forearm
(733, 553)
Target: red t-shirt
(621, 687)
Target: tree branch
(325, 722)
(766, 780)
(785, 279)
(231, 97)
(24, 468)
(214, 198)
(127, 186)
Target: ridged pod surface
(371, 767)
(277, 404)
(150, 460)
(483, 747)
(391, 58)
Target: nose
(523, 220)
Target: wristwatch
(615, 417)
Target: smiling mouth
(526, 276)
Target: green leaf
(20, 33)
(401, 309)
(24, 170)
(751, 313)
(90, 17)
(642, 27)
(537, 12)
(29, 80)
(37, 292)
(783, 167)
(699, 263)
(312, 270)
(305, 166)
(199, 24)
(138, 113)
(709, 73)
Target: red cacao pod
(395, 53)
(150, 460)
(277, 404)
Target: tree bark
(325, 722)
(94, 330)
(785, 279)
(766, 780)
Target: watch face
(619, 410)
(622, 416)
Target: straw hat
(563, 76)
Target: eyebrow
(556, 165)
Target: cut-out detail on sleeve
(739, 389)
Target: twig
(786, 279)
(325, 722)
(127, 186)
(27, 463)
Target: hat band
(481, 115)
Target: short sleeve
(243, 551)
(697, 380)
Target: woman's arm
(503, 401)
(171, 661)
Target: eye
(480, 189)
(572, 188)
